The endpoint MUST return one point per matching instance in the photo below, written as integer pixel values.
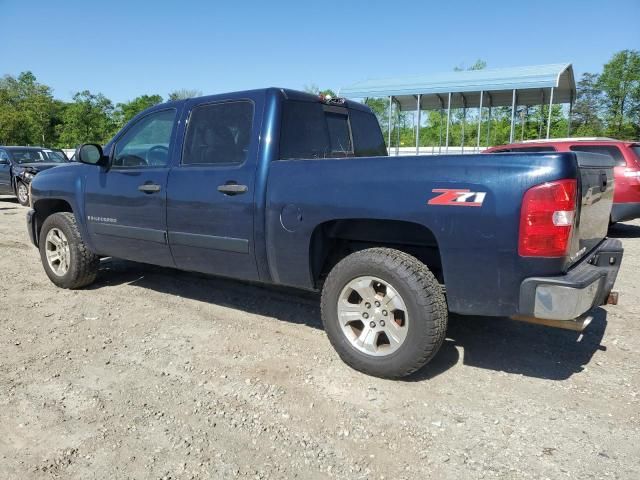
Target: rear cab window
(316, 130)
(611, 151)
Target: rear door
(210, 205)
(125, 205)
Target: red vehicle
(626, 198)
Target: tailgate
(596, 199)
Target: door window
(609, 150)
(146, 143)
(218, 134)
(4, 155)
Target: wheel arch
(43, 209)
(333, 240)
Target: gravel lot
(155, 373)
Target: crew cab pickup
(287, 188)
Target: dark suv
(18, 166)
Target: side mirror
(91, 154)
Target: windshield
(37, 156)
(56, 156)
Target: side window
(526, 149)
(218, 133)
(146, 143)
(534, 149)
(4, 155)
(609, 150)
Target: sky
(123, 49)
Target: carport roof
(533, 85)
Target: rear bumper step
(577, 325)
(568, 297)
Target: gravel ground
(155, 373)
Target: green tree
(313, 89)
(620, 82)
(89, 118)
(183, 94)
(27, 111)
(127, 110)
(587, 113)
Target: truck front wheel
(384, 312)
(22, 192)
(66, 259)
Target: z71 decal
(457, 197)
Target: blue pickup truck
(287, 188)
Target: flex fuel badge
(457, 197)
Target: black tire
(83, 264)
(22, 201)
(421, 294)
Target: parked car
(287, 188)
(18, 166)
(626, 196)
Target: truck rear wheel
(66, 259)
(384, 312)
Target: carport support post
(541, 116)
(464, 121)
(440, 134)
(418, 126)
(489, 120)
(390, 118)
(398, 111)
(549, 118)
(513, 116)
(446, 144)
(479, 120)
(570, 113)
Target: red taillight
(547, 218)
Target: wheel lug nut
(372, 324)
(368, 305)
(382, 323)
(384, 312)
(365, 315)
(377, 304)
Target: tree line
(30, 115)
(607, 104)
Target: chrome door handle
(232, 189)
(149, 188)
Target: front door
(210, 203)
(5, 174)
(125, 205)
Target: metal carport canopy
(532, 84)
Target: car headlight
(28, 175)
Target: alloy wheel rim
(23, 195)
(373, 316)
(57, 251)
